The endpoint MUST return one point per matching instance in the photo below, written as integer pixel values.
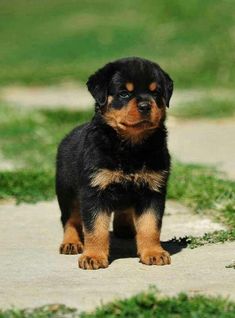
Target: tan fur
(148, 240)
(104, 177)
(130, 86)
(96, 244)
(110, 99)
(153, 86)
(154, 179)
(72, 240)
(147, 228)
(128, 121)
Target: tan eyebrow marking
(110, 99)
(130, 86)
(152, 86)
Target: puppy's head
(132, 95)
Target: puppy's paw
(71, 248)
(155, 257)
(92, 262)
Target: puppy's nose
(144, 107)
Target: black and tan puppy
(118, 162)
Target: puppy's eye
(124, 94)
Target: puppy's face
(132, 95)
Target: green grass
(48, 311)
(205, 108)
(204, 190)
(30, 138)
(27, 185)
(49, 41)
(150, 305)
(208, 238)
(144, 305)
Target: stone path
(74, 95)
(6, 165)
(204, 142)
(70, 95)
(33, 273)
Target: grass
(144, 305)
(204, 190)
(27, 185)
(205, 108)
(208, 238)
(207, 193)
(48, 311)
(30, 138)
(150, 305)
(50, 41)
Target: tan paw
(71, 248)
(155, 257)
(92, 262)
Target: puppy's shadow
(126, 248)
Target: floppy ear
(98, 84)
(167, 88)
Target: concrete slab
(204, 142)
(68, 95)
(33, 273)
(74, 95)
(5, 164)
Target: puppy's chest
(154, 180)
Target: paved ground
(6, 165)
(69, 95)
(75, 95)
(33, 273)
(205, 142)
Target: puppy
(118, 162)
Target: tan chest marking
(104, 177)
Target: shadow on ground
(126, 248)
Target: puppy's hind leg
(73, 236)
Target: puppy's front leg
(148, 228)
(96, 241)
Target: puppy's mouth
(140, 124)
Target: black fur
(96, 145)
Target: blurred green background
(49, 41)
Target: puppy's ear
(98, 84)
(167, 84)
(168, 87)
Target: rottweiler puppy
(118, 162)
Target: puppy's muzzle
(144, 107)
